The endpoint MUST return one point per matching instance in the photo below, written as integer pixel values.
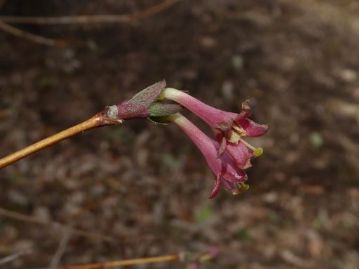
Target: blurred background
(140, 189)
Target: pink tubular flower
(229, 127)
(223, 166)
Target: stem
(130, 262)
(98, 120)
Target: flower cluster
(229, 155)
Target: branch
(29, 36)
(112, 264)
(91, 19)
(14, 256)
(194, 260)
(100, 119)
(54, 264)
(141, 105)
(152, 10)
(84, 19)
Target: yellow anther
(241, 187)
(258, 152)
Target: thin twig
(152, 10)
(14, 256)
(29, 36)
(182, 257)
(30, 219)
(55, 261)
(91, 19)
(112, 264)
(82, 19)
(95, 121)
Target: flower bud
(138, 106)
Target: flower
(229, 127)
(223, 166)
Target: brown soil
(145, 186)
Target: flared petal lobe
(252, 129)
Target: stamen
(236, 134)
(241, 187)
(239, 130)
(256, 151)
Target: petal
(216, 187)
(233, 176)
(246, 110)
(240, 154)
(252, 128)
(222, 146)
